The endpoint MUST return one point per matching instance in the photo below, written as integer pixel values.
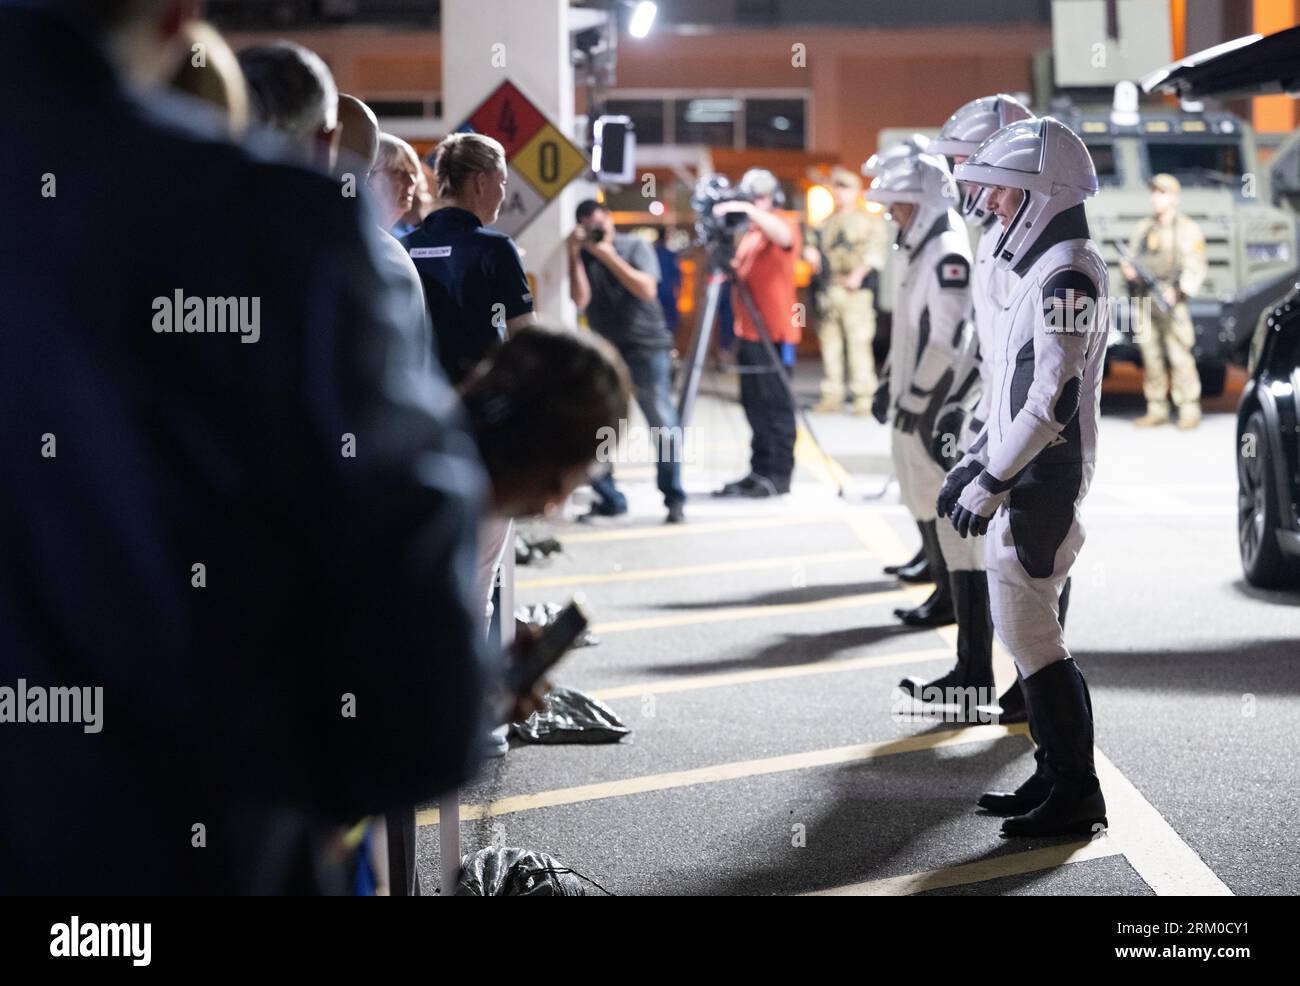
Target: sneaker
(763, 487)
(828, 405)
(602, 509)
(1189, 419)
(736, 487)
(676, 514)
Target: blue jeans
(651, 371)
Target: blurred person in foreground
(764, 264)
(358, 140)
(293, 93)
(254, 559)
(614, 278)
(210, 71)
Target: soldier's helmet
(1048, 161)
(923, 180)
(874, 165)
(969, 127)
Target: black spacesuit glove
(953, 484)
(880, 403)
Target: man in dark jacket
(237, 515)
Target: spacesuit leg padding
(1041, 511)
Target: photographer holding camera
(614, 278)
(764, 268)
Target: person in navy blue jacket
(238, 511)
(473, 278)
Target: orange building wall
(1276, 113)
(859, 81)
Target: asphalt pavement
(754, 654)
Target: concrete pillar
(485, 42)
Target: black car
(1268, 452)
(1268, 417)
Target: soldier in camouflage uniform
(852, 242)
(1169, 247)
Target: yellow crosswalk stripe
(698, 528)
(1012, 864)
(692, 571)
(693, 682)
(726, 772)
(731, 613)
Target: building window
(731, 119)
(709, 120)
(775, 123)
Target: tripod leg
(700, 347)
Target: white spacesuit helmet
(969, 127)
(1048, 161)
(877, 163)
(923, 180)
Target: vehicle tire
(1213, 378)
(1258, 517)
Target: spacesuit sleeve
(946, 308)
(1062, 332)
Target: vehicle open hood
(1249, 66)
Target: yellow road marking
(726, 772)
(1014, 864)
(877, 534)
(688, 571)
(708, 527)
(731, 613)
(822, 465)
(692, 682)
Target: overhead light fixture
(643, 16)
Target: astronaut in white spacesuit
(1026, 475)
(972, 676)
(929, 331)
(918, 568)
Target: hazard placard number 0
(548, 161)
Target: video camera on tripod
(717, 233)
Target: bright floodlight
(642, 17)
